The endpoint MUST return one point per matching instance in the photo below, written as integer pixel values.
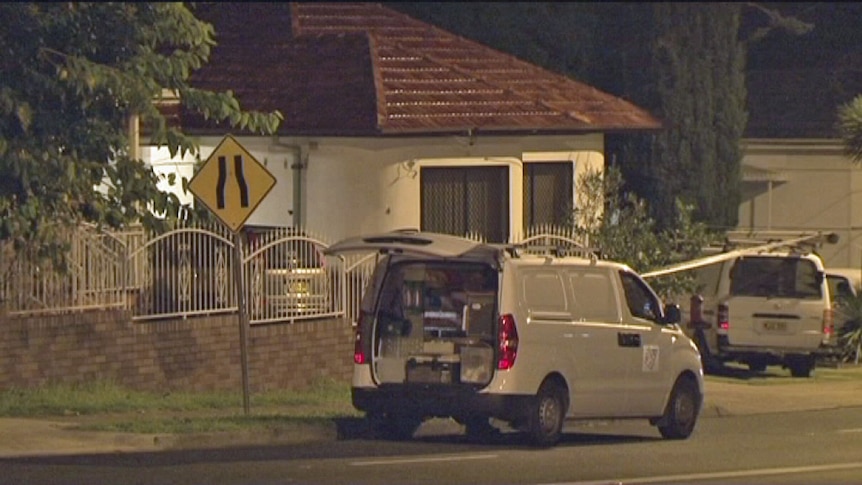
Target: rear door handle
(628, 339)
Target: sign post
(231, 183)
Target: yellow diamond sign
(231, 183)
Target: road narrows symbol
(240, 180)
(231, 183)
(222, 179)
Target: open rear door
(413, 243)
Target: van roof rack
(795, 242)
(543, 246)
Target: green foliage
(690, 73)
(322, 398)
(850, 334)
(618, 223)
(850, 127)
(71, 77)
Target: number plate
(775, 326)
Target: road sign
(231, 183)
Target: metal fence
(189, 271)
(94, 276)
(186, 272)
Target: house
(390, 122)
(794, 173)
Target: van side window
(543, 291)
(641, 301)
(593, 298)
(708, 278)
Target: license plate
(775, 326)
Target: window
(594, 298)
(775, 276)
(548, 191)
(640, 299)
(466, 200)
(543, 291)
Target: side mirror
(672, 314)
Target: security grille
(464, 200)
(548, 193)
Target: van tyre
(546, 415)
(393, 426)
(680, 415)
(801, 366)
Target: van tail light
(359, 350)
(507, 342)
(828, 324)
(723, 319)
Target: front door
(644, 343)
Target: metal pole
(242, 316)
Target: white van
(455, 328)
(763, 308)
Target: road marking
(720, 475)
(406, 461)
(851, 430)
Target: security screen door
(466, 200)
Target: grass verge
(775, 375)
(109, 407)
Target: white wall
(352, 186)
(821, 191)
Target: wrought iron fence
(94, 277)
(189, 271)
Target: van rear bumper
(742, 353)
(439, 401)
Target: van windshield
(775, 277)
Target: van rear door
(776, 302)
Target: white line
(720, 475)
(404, 461)
(851, 430)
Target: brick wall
(194, 354)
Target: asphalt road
(799, 431)
(789, 447)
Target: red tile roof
(364, 69)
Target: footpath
(20, 437)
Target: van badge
(650, 359)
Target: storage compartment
(477, 364)
(426, 314)
(433, 369)
(479, 314)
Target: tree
(617, 222)
(685, 64)
(71, 77)
(850, 127)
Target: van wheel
(680, 415)
(393, 426)
(546, 415)
(801, 366)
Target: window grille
(461, 200)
